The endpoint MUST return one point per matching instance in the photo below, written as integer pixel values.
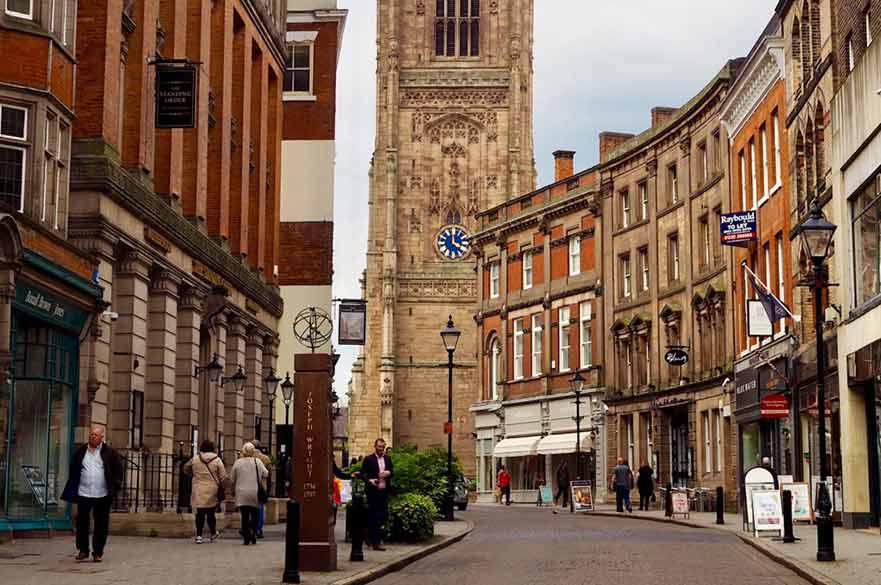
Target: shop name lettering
(309, 488)
(751, 385)
(37, 300)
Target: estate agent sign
(739, 228)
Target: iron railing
(153, 482)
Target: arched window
(457, 28)
(819, 146)
(796, 53)
(807, 64)
(800, 170)
(495, 360)
(815, 31)
(454, 216)
(809, 159)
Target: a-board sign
(680, 503)
(676, 357)
(802, 508)
(581, 492)
(738, 228)
(755, 478)
(547, 496)
(767, 511)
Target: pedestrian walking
(562, 484)
(503, 480)
(209, 488)
(621, 482)
(267, 463)
(376, 469)
(246, 478)
(94, 478)
(645, 484)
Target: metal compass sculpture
(313, 327)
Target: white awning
(564, 443)
(516, 447)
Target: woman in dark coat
(645, 484)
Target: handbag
(262, 495)
(221, 491)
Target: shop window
(866, 229)
(13, 155)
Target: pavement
(158, 561)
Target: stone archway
(10, 263)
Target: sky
(599, 65)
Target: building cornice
(756, 80)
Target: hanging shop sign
(774, 406)
(176, 89)
(582, 496)
(38, 303)
(739, 228)
(676, 357)
(352, 322)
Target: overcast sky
(599, 65)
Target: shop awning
(516, 447)
(563, 443)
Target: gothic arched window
(457, 28)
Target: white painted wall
(307, 180)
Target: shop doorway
(680, 461)
(37, 413)
(873, 428)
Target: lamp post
(287, 394)
(577, 383)
(450, 336)
(816, 236)
(270, 387)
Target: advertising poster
(680, 503)
(767, 512)
(802, 509)
(547, 497)
(582, 496)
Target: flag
(774, 307)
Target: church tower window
(457, 26)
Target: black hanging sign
(676, 357)
(175, 95)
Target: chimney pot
(564, 164)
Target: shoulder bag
(221, 492)
(262, 495)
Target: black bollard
(668, 501)
(720, 505)
(788, 536)
(357, 528)
(292, 544)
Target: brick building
(667, 285)
(313, 40)
(49, 299)
(753, 116)
(538, 322)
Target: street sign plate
(448, 428)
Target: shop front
(864, 385)
(39, 396)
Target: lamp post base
(825, 534)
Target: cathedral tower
(453, 137)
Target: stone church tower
(453, 137)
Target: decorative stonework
(437, 289)
(455, 78)
(753, 85)
(415, 222)
(450, 97)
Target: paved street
(529, 546)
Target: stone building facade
(453, 138)
(667, 285)
(539, 320)
(182, 224)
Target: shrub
(422, 472)
(411, 518)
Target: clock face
(453, 242)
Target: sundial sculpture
(313, 327)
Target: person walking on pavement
(645, 484)
(94, 479)
(563, 484)
(267, 463)
(503, 480)
(621, 482)
(376, 469)
(246, 478)
(209, 478)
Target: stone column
(129, 343)
(159, 399)
(186, 396)
(253, 392)
(217, 415)
(233, 401)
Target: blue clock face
(453, 242)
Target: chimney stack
(662, 115)
(564, 164)
(609, 141)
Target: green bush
(410, 518)
(422, 472)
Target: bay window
(13, 155)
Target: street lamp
(270, 387)
(237, 379)
(213, 368)
(816, 237)
(287, 394)
(577, 383)
(450, 336)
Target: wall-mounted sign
(176, 88)
(352, 322)
(774, 406)
(38, 303)
(757, 322)
(676, 357)
(738, 228)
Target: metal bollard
(292, 544)
(788, 535)
(668, 501)
(720, 505)
(357, 528)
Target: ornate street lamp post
(816, 236)
(450, 336)
(287, 395)
(577, 383)
(270, 387)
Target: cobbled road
(530, 546)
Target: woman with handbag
(208, 491)
(247, 477)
